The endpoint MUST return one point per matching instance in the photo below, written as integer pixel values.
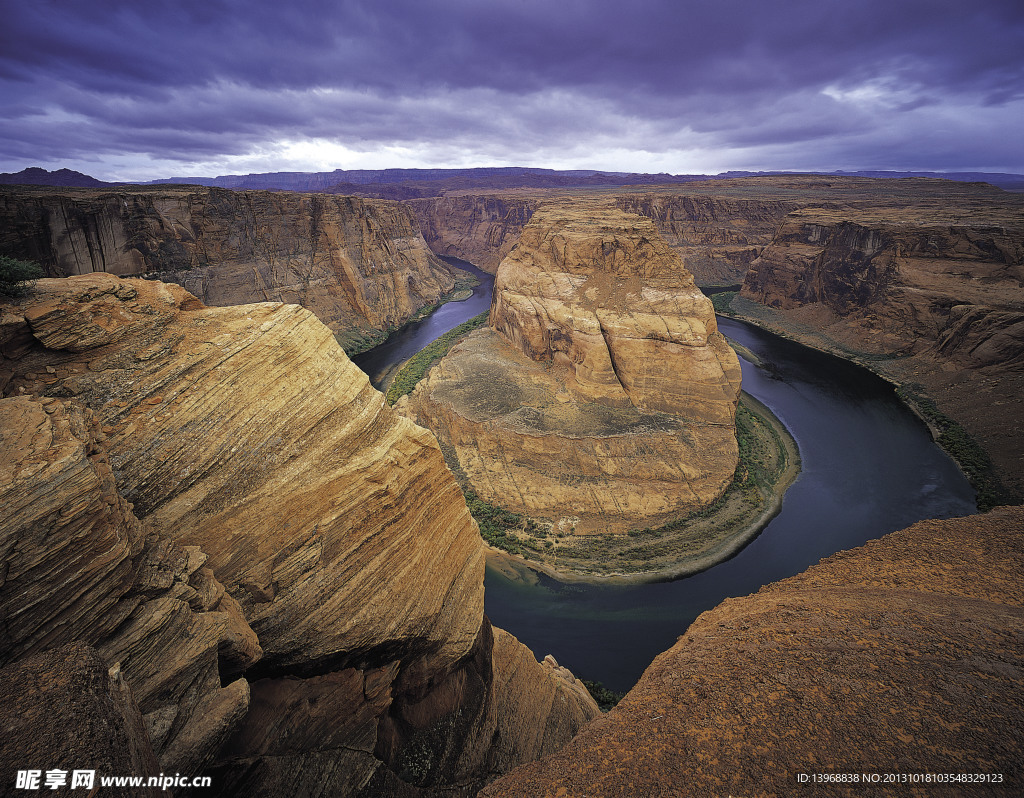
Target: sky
(140, 90)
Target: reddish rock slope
(903, 656)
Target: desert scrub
(414, 369)
(605, 698)
(17, 276)
(968, 453)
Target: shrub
(16, 276)
(605, 698)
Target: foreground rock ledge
(901, 656)
(144, 436)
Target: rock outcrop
(79, 570)
(200, 493)
(360, 265)
(899, 657)
(603, 397)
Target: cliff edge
(902, 656)
(207, 496)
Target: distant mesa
(34, 176)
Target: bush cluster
(16, 276)
(412, 372)
(968, 453)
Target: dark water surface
(409, 340)
(869, 468)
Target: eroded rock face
(899, 656)
(601, 292)
(347, 733)
(890, 284)
(79, 571)
(481, 229)
(283, 481)
(924, 287)
(201, 493)
(603, 398)
(717, 236)
(360, 265)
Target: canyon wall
(360, 265)
(602, 397)
(479, 228)
(208, 496)
(716, 236)
(925, 288)
(899, 657)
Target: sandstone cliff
(78, 569)
(231, 496)
(481, 229)
(902, 656)
(716, 236)
(717, 227)
(924, 286)
(360, 265)
(603, 397)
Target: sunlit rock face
(247, 431)
(600, 291)
(360, 265)
(603, 397)
(81, 572)
(222, 509)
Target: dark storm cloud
(511, 79)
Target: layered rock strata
(927, 293)
(902, 656)
(236, 498)
(360, 265)
(603, 396)
(80, 569)
(900, 283)
(481, 229)
(716, 236)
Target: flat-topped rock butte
(602, 397)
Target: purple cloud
(730, 84)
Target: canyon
(221, 552)
(360, 265)
(902, 656)
(194, 493)
(917, 279)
